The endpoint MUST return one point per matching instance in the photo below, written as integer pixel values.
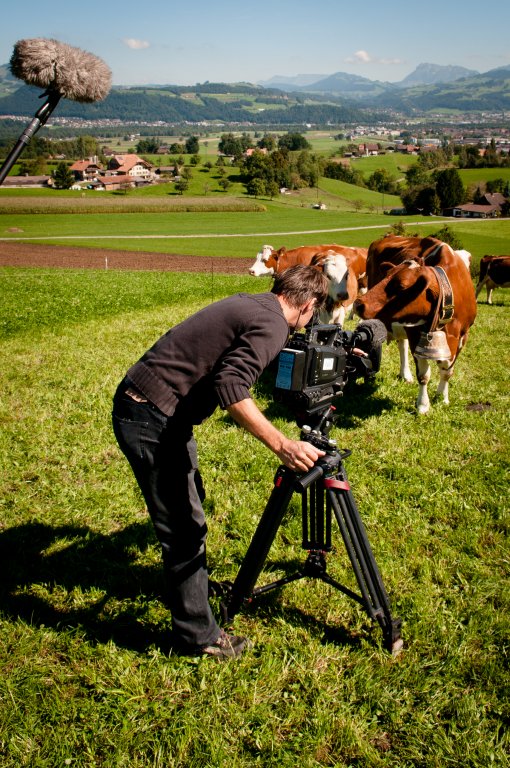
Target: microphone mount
(40, 118)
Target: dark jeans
(162, 453)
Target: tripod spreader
(325, 492)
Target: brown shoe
(226, 647)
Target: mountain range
(301, 99)
(357, 86)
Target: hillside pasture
(87, 674)
(234, 234)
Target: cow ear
(317, 260)
(385, 267)
(281, 251)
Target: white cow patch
(259, 268)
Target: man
(210, 359)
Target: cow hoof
(422, 409)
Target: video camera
(315, 365)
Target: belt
(138, 397)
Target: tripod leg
(375, 598)
(260, 544)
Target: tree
(192, 147)
(381, 181)
(230, 145)
(294, 141)
(87, 146)
(255, 187)
(427, 201)
(416, 175)
(268, 141)
(181, 185)
(272, 189)
(35, 167)
(63, 178)
(449, 188)
(147, 146)
(224, 184)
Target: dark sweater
(213, 357)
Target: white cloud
(363, 57)
(135, 45)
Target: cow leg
(399, 334)
(338, 315)
(445, 374)
(480, 286)
(423, 376)
(489, 293)
(405, 370)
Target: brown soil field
(28, 255)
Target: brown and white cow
(409, 294)
(345, 267)
(346, 272)
(494, 273)
(395, 249)
(269, 261)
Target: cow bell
(433, 346)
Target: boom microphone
(63, 71)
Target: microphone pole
(40, 118)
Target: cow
(269, 262)
(345, 267)
(346, 273)
(494, 273)
(395, 249)
(416, 293)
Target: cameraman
(210, 359)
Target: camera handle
(325, 491)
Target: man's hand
(299, 455)
(295, 454)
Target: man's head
(301, 290)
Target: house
(132, 165)
(251, 151)
(113, 182)
(27, 182)
(495, 198)
(368, 149)
(474, 211)
(166, 170)
(85, 170)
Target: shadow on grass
(42, 564)
(114, 595)
(267, 607)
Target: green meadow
(87, 674)
(234, 227)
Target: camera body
(316, 365)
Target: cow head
(266, 261)
(342, 281)
(407, 295)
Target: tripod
(325, 491)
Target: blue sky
(229, 41)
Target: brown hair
(300, 284)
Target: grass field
(86, 675)
(233, 233)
